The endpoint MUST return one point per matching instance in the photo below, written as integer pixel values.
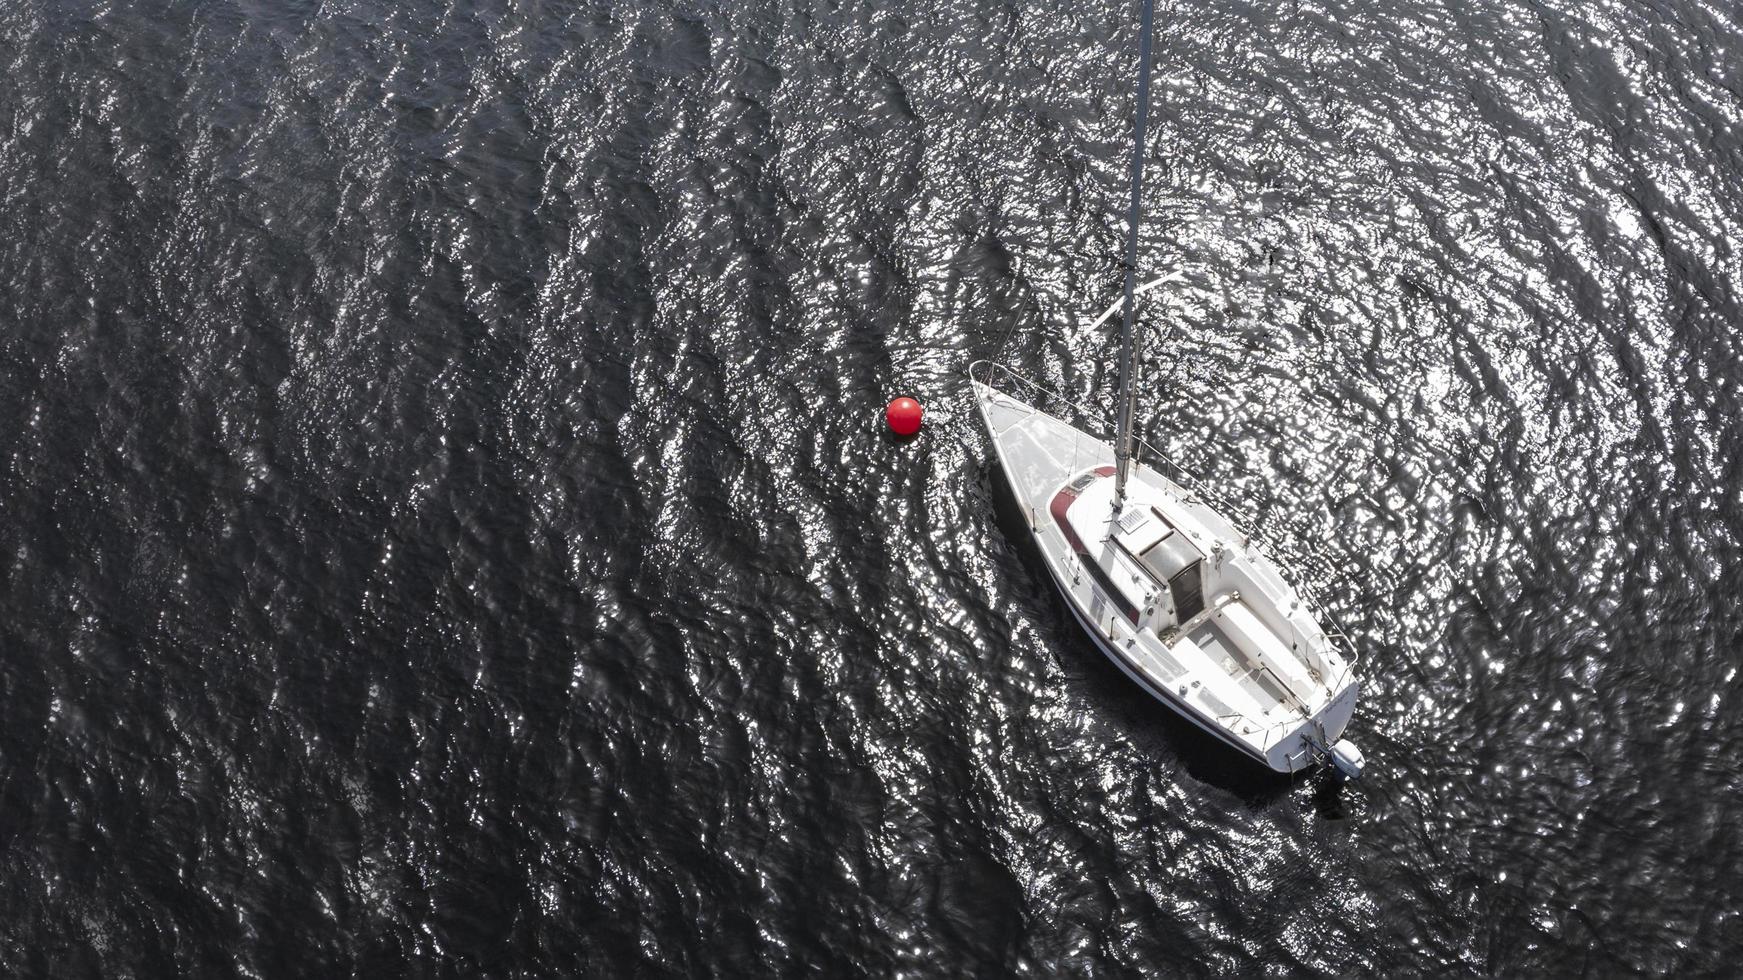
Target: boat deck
(1247, 664)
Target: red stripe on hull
(1060, 505)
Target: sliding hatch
(1167, 554)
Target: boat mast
(1128, 346)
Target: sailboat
(1156, 574)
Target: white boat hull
(1126, 667)
(1173, 594)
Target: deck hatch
(1187, 587)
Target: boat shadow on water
(1169, 737)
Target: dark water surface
(446, 523)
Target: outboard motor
(1347, 758)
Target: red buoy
(904, 416)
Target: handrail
(1183, 478)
